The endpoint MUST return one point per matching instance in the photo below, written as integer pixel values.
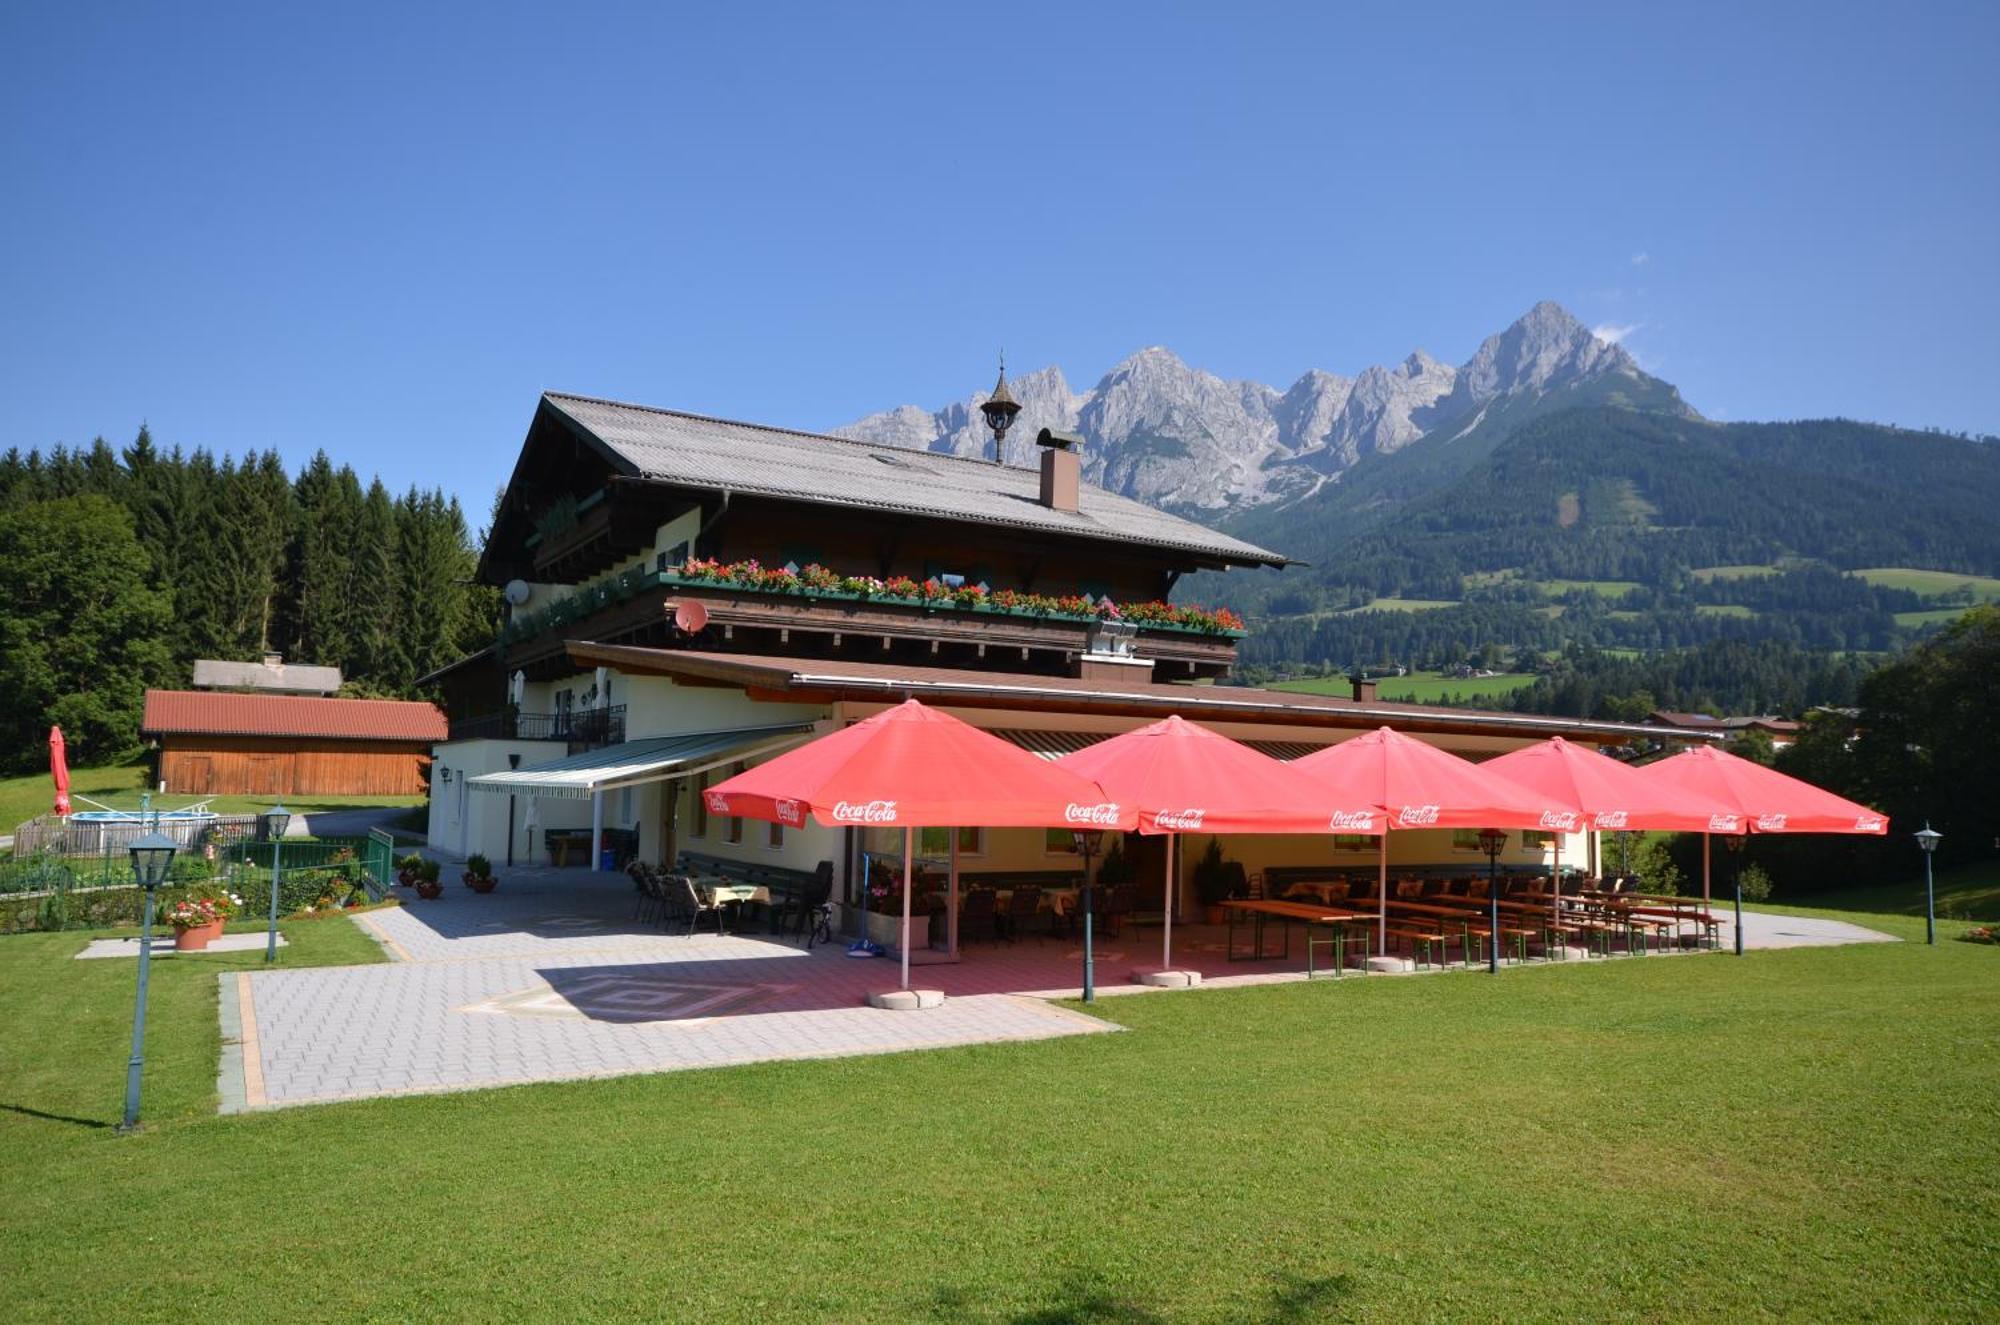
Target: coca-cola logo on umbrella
(1724, 823)
(1417, 816)
(716, 801)
(1104, 814)
(1868, 823)
(1613, 819)
(1362, 821)
(790, 812)
(864, 812)
(1181, 821)
(1771, 823)
(1561, 821)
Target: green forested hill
(1625, 529)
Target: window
(1531, 839)
(674, 557)
(733, 830)
(1058, 842)
(776, 839)
(1352, 841)
(1465, 839)
(699, 828)
(937, 841)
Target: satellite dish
(518, 592)
(690, 617)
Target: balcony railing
(583, 729)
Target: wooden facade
(216, 765)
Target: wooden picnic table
(1261, 910)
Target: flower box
(887, 930)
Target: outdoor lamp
(1086, 841)
(152, 858)
(1492, 841)
(1928, 838)
(275, 821)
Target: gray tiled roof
(692, 451)
(214, 674)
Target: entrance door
(196, 776)
(264, 779)
(1148, 857)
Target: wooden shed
(230, 744)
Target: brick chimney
(1364, 689)
(1062, 469)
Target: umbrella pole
(909, 846)
(1382, 899)
(951, 903)
(1167, 942)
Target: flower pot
(887, 929)
(485, 885)
(430, 890)
(193, 938)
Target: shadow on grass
(1085, 1300)
(45, 1116)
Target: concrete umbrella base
(1392, 965)
(1153, 975)
(907, 1000)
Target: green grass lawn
(1400, 605)
(1420, 687)
(1934, 617)
(23, 798)
(1932, 582)
(1969, 892)
(1602, 588)
(1724, 609)
(1808, 1135)
(1746, 572)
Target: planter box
(887, 930)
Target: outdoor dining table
(722, 892)
(1260, 912)
(1059, 900)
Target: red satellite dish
(689, 618)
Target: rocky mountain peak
(1180, 437)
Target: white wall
(464, 820)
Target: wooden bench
(1262, 910)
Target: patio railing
(583, 729)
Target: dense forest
(124, 566)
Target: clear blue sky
(384, 232)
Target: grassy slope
(1419, 687)
(1807, 1134)
(1932, 582)
(23, 798)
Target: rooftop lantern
(1000, 409)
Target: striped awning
(631, 763)
(1054, 745)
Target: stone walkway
(550, 979)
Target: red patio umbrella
(59, 769)
(1762, 800)
(1420, 786)
(1608, 795)
(915, 767)
(1180, 778)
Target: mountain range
(1186, 440)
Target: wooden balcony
(718, 618)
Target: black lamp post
(276, 820)
(1086, 840)
(1492, 841)
(1736, 844)
(999, 410)
(152, 857)
(1928, 839)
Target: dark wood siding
(277, 766)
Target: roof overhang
(635, 763)
(796, 680)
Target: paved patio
(549, 978)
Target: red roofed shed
(216, 743)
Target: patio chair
(977, 918)
(687, 902)
(1022, 907)
(805, 911)
(1117, 906)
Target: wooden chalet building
(646, 656)
(223, 743)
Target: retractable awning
(1056, 744)
(629, 764)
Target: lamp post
(1491, 841)
(152, 856)
(1928, 840)
(1086, 840)
(275, 820)
(1736, 844)
(999, 410)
